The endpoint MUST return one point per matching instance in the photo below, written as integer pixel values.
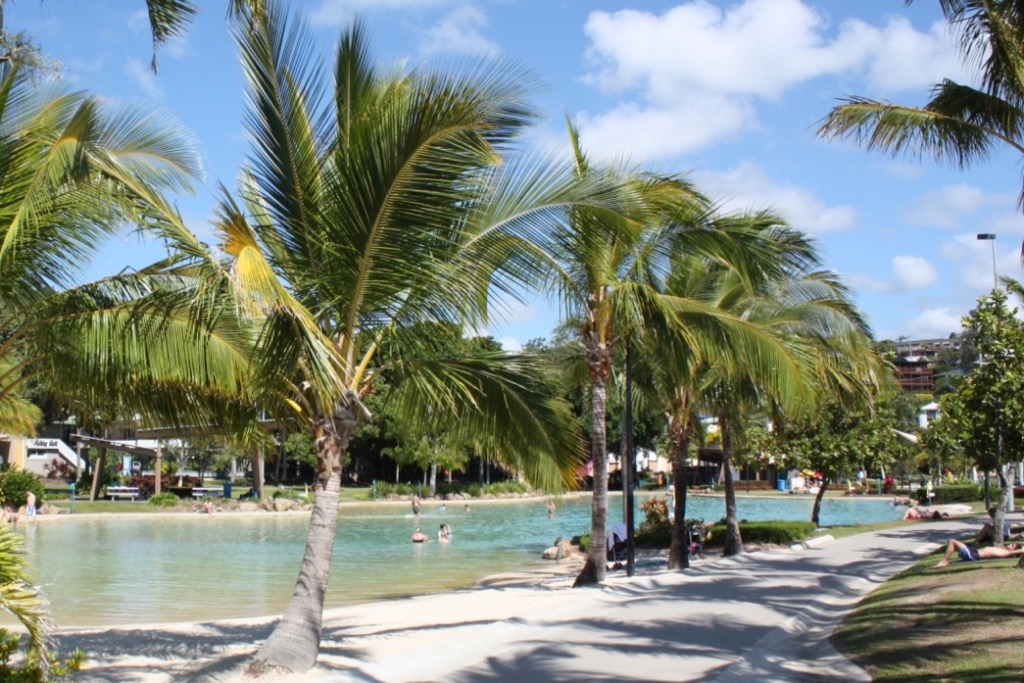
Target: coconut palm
(810, 311)
(374, 202)
(959, 124)
(74, 169)
(715, 290)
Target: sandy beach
(762, 615)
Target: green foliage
(300, 447)
(293, 494)
(385, 489)
(775, 533)
(166, 500)
(15, 483)
(986, 414)
(30, 671)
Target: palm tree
(21, 599)
(605, 267)
(959, 124)
(810, 311)
(73, 169)
(381, 202)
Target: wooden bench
(207, 492)
(115, 492)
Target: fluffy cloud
(697, 68)
(748, 187)
(913, 272)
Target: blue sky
(729, 93)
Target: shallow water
(102, 571)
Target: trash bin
(782, 484)
(227, 489)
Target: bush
(29, 671)
(957, 493)
(165, 500)
(775, 533)
(15, 483)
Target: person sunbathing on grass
(969, 553)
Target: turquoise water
(101, 571)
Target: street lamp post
(995, 285)
(991, 238)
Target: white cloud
(652, 133)
(913, 272)
(696, 69)
(951, 205)
(934, 323)
(748, 187)
(143, 77)
(460, 31)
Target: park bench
(115, 492)
(207, 492)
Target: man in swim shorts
(969, 553)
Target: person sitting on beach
(987, 533)
(971, 554)
(418, 536)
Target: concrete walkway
(763, 616)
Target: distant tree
(987, 412)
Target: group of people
(444, 535)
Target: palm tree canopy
(959, 124)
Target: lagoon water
(103, 571)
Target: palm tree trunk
(295, 642)
(595, 568)
(733, 539)
(679, 550)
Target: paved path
(762, 616)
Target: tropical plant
(21, 599)
(372, 205)
(959, 124)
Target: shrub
(29, 671)
(15, 483)
(164, 500)
(775, 533)
(957, 493)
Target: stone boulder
(559, 551)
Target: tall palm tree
(605, 267)
(715, 290)
(374, 202)
(960, 124)
(811, 312)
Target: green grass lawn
(963, 622)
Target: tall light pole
(995, 285)
(991, 238)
